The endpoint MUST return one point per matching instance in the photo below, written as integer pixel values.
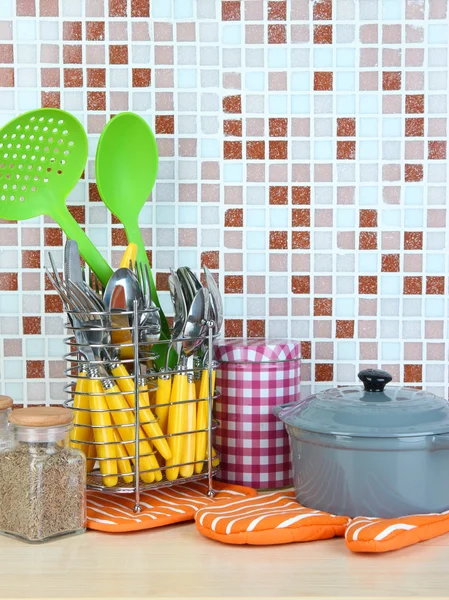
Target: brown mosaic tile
(367, 217)
(50, 100)
(165, 124)
(232, 150)
(162, 281)
(48, 8)
(367, 284)
(25, 8)
(277, 34)
(322, 10)
(232, 127)
(94, 194)
(301, 284)
(414, 127)
(344, 329)
(71, 31)
(141, 78)
(6, 53)
(255, 328)
(278, 240)
(322, 307)
(7, 77)
(391, 80)
(390, 263)
(233, 327)
(346, 127)
(31, 259)
(8, 282)
(72, 54)
(73, 78)
(31, 325)
(306, 350)
(96, 78)
(95, 31)
(233, 284)
(346, 150)
(414, 103)
(234, 217)
(230, 10)
(368, 240)
(278, 127)
(277, 11)
(96, 101)
(277, 150)
(435, 285)
(414, 172)
(117, 8)
(300, 240)
(324, 372)
(412, 285)
(301, 195)
(255, 150)
(278, 194)
(413, 240)
(211, 259)
(232, 104)
(50, 77)
(412, 373)
(35, 369)
(118, 54)
(118, 237)
(140, 8)
(322, 81)
(301, 217)
(322, 34)
(437, 150)
(52, 236)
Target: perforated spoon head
(42, 156)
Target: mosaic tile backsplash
(303, 158)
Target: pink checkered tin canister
(253, 376)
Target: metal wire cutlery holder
(94, 356)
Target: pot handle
(277, 409)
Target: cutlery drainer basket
(168, 440)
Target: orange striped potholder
(274, 518)
(114, 513)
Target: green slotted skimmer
(126, 166)
(42, 156)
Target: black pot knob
(374, 380)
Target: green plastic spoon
(42, 156)
(126, 166)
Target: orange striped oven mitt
(277, 518)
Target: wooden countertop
(177, 561)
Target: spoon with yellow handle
(203, 420)
(82, 431)
(188, 452)
(176, 425)
(162, 399)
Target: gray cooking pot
(369, 451)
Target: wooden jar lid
(5, 402)
(41, 416)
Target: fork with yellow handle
(82, 431)
(149, 422)
(176, 425)
(202, 422)
(103, 431)
(190, 416)
(124, 419)
(162, 397)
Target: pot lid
(257, 350)
(371, 410)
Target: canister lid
(257, 350)
(371, 410)
(41, 416)
(5, 402)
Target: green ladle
(126, 166)
(42, 156)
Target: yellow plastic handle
(129, 256)
(150, 426)
(188, 451)
(124, 464)
(163, 397)
(202, 421)
(175, 425)
(103, 433)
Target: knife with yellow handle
(123, 462)
(202, 421)
(188, 449)
(124, 419)
(163, 397)
(81, 432)
(103, 435)
(176, 424)
(150, 425)
(129, 257)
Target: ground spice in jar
(42, 479)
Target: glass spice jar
(5, 408)
(42, 479)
